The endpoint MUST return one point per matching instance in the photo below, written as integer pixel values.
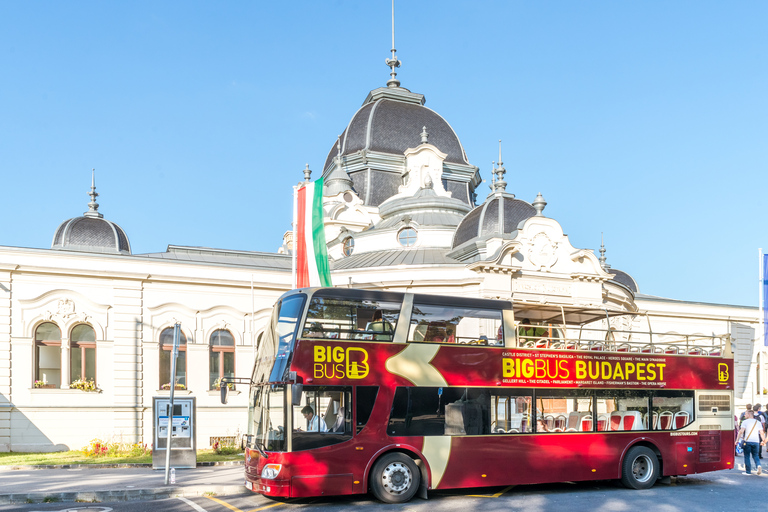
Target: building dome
(500, 214)
(391, 124)
(369, 156)
(91, 233)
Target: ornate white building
(401, 213)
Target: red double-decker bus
(399, 393)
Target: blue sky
(646, 121)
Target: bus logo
(338, 363)
(722, 372)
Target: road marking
(267, 506)
(192, 504)
(230, 507)
(85, 509)
(491, 495)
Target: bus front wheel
(395, 478)
(640, 468)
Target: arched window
(166, 350)
(82, 354)
(222, 357)
(47, 356)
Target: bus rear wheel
(640, 468)
(395, 478)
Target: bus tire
(640, 468)
(395, 478)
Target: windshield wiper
(260, 446)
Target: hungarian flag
(311, 252)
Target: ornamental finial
(394, 62)
(93, 206)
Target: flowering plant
(217, 384)
(40, 384)
(167, 385)
(85, 385)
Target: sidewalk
(28, 484)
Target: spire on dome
(394, 62)
(602, 257)
(307, 174)
(93, 206)
(499, 184)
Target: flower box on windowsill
(176, 391)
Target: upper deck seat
(632, 420)
(615, 420)
(602, 422)
(665, 420)
(680, 419)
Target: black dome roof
(391, 124)
(500, 213)
(91, 234)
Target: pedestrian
(742, 417)
(753, 436)
(760, 415)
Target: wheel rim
(642, 468)
(396, 478)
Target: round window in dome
(407, 237)
(349, 246)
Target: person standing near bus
(313, 421)
(743, 415)
(752, 433)
(760, 415)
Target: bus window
(351, 318)
(431, 411)
(564, 411)
(454, 324)
(510, 411)
(672, 409)
(324, 417)
(365, 400)
(621, 410)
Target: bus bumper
(276, 488)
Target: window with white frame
(47, 356)
(82, 353)
(221, 358)
(166, 350)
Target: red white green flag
(312, 267)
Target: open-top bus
(401, 393)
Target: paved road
(719, 491)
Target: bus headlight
(271, 471)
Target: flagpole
(295, 240)
(762, 293)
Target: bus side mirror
(296, 391)
(224, 389)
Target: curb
(110, 466)
(124, 495)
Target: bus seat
(665, 420)
(573, 422)
(680, 419)
(651, 349)
(616, 420)
(632, 421)
(560, 422)
(602, 422)
(585, 424)
(338, 425)
(549, 421)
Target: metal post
(174, 354)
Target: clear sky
(646, 121)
